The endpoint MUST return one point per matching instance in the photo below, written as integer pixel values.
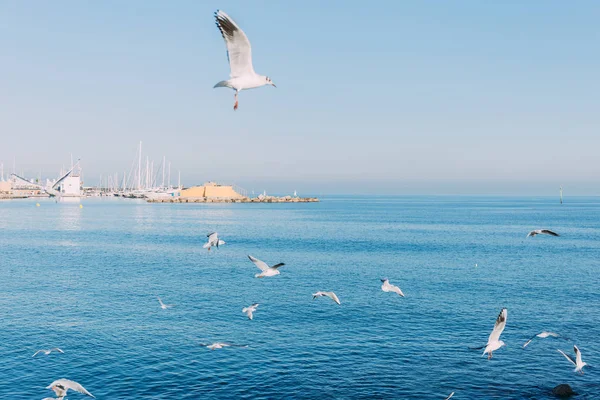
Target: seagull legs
(235, 106)
(490, 355)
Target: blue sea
(86, 280)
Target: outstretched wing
(67, 384)
(62, 178)
(260, 264)
(577, 355)
(529, 341)
(26, 181)
(239, 51)
(278, 265)
(568, 357)
(334, 297)
(549, 232)
(498, 326)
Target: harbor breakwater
(261, 199)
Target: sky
(384, 97)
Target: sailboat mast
(163, 172)
(169, 174)
(139, 182)
(179, 181)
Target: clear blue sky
(388, 96)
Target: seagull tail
(222, 84)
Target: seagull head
(269, 81)
(501, 343)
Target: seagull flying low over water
(46, 352)
(265, 269)
(542, 232)
(61, 386)
(578, 363)
(220, 345)
(213, 241)
(163, 305)
(239, 55)
(331, 295)
(494, 342)
(249, 310)
(388, 287)
(541, 335)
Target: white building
(71, 186)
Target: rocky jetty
(259, 199)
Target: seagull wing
(260, 264)
(57, 349)
(67, 384)
(567, 357)
(529, 341)
(577, 355)
(333, 297)
(278, 265)
(498, 326)
(26, 181)
(549, 232)
(532, 233)
(62, 178)
(37, 352)
(239, 51)
(212, 237)
(451, 394)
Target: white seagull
(388, 287)
(451, 394)
(163, 305)
(46, 352)
(542, 231)
(61, 386)
(213, 241)
(265, 269)
(541, 335)
(249, 310)
(331, 295)
(220, 345)
(578, 363)
(239, 55)
(494, 342)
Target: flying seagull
(239, 55)
(265, 269)
(494, 342)
(220, 345)
(331, 295)
(451, 394)
(61, 386)
(46, 352)
(541, 335)
(388, 287)
(249, 310)
(213, 241)
(163, 305)
(578, 363)
(542, 231)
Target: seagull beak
(273, 85)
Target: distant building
(5, 187)
(211, 190)
(71, 186)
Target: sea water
(87, 280)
